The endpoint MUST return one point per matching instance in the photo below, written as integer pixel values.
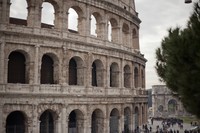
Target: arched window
(46, 122)
(16, 68)
(114, 75)
(127, 120)
(72, 20)
(127, 77)
(76, 71)
(136, 117)
(172, 106)
(125, 35)
(75, 121)
(114, 121)
(97, 73)
(18, 12)
(93, 26)
(143, 78)
(47, 70)
(16, 123)
(109, 31)
(94, 75)
(97, 121)
(72, 72)
(47, 17)
(136, 77)
(113, 30)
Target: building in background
(165, 103)
(54, 79)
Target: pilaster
(2, 45)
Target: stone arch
(143, 78)
(53, 14)
(49, 69)
(114, 30)
(76, 71)
(97, 121)
(16, 122)
(114, 75)
(47, 121)
(75, 26)
(97, 73)
(75, 121)
(96, 26)
(136, 118)
(125, 34)
(114, 121)
(18, 67)
(21, 17)
(172, 106)
(127, 76)
(127, 120)
(136, 77)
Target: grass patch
(188, 119)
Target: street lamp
(188, 1)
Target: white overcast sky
(157, 17)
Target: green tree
(178, 62)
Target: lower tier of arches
(57, 117)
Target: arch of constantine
(54, 79)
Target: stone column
(36, 66)
(88, 73)
(2, 45)
(58, 126)
(34, 15)
(64, 67)
(64, 124)
(5, 11)
(2, 127)
(35, 120)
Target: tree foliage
(178, 62)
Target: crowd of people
(167, 126)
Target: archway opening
(127, 77)
(114, 75)
(127, 120)
(47, 16)
(16, 67)
(97, 73)
(16, 122)
(75, 122)
(72, 20)
(93, 26)
(72, 72)
(172, 106)
(46, 122)
(18, 12)
(114, 121)
(136, 117)
(47, 70)
(97, 121)
(136, 77)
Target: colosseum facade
(57, 80)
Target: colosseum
(54, 79)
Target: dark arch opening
(15, 122)
(47, 71)
(114, 121)
(72, 72)
(97, 121)
(136, 77)
(127, 120)
(16, 68)
(46, 122)
(94, 74)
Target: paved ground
(175, 127)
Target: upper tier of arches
(117, 25)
